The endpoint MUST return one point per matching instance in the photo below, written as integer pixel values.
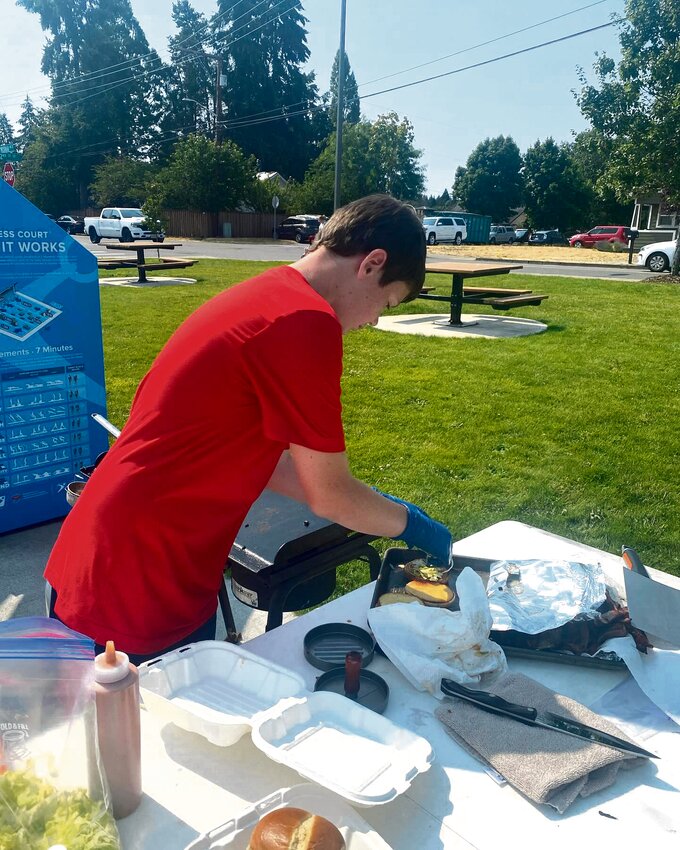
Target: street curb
(558, 263)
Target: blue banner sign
(51, 363)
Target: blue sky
(528, 97)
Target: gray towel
(546, 766)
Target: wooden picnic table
(140, 263)
(497, 297)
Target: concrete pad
(485, 327)
(150, 281)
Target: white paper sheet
(657, 673)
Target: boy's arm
(323, 480)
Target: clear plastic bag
(52, 790)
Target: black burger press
(326, 646)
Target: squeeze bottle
(118, 728)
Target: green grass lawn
(574, 430)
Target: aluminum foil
(534, 596)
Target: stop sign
(8, 173)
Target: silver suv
(444, 228)
(501, 233)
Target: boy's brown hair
(380, 221)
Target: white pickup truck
(123, 223)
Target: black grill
(285, 557)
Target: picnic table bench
(496, 297)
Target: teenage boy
(245, 395)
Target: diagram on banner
(51, 363)
(21, 315)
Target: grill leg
(233, 636)
(373, 559)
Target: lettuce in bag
(52, 787)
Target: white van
(440, 228)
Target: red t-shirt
(140, 558)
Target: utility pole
(341, 109)
(218, 102)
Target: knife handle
(632, 560)
(490, 702)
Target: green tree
(554, 194)
(491, 181)
(29, 119)
(350, 95)
(107, 85)
(191, 84)
(377, 156)
(44, 179)
(268, 99)
(635, 105)
(590, 153)
(6, 130)
(203, 175)
(121, 181)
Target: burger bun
(290, 828)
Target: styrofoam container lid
(235, 833)
(215, 689)
(358, 754)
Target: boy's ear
(373, 263)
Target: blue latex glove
(423, 532)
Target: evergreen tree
(106, 88)
(263, 50)
(444, 201)
(491, 181)
(28, 120)
(6, 130)
(191, 85)
(350, 95)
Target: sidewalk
(558, 262)
(23, 555)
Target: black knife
(546, 719)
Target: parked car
(657, 257)
(522, 234)
(123, 223)
(547, 237)
(444, 228)
(601, 233)
(301, 228)
(501, 233)
(71, 224)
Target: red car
(601, 233)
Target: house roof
(272, 175)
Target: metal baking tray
(391, 575)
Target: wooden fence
(200, 225)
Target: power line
(263, 120)
(277, 109)
(90, 75)
(490, 61)
(106, 71)
(136, 77)
(484, 43)
(256, 121)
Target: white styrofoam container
(235, 833)
(214, 688)
(343, 746)
(221, 691)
